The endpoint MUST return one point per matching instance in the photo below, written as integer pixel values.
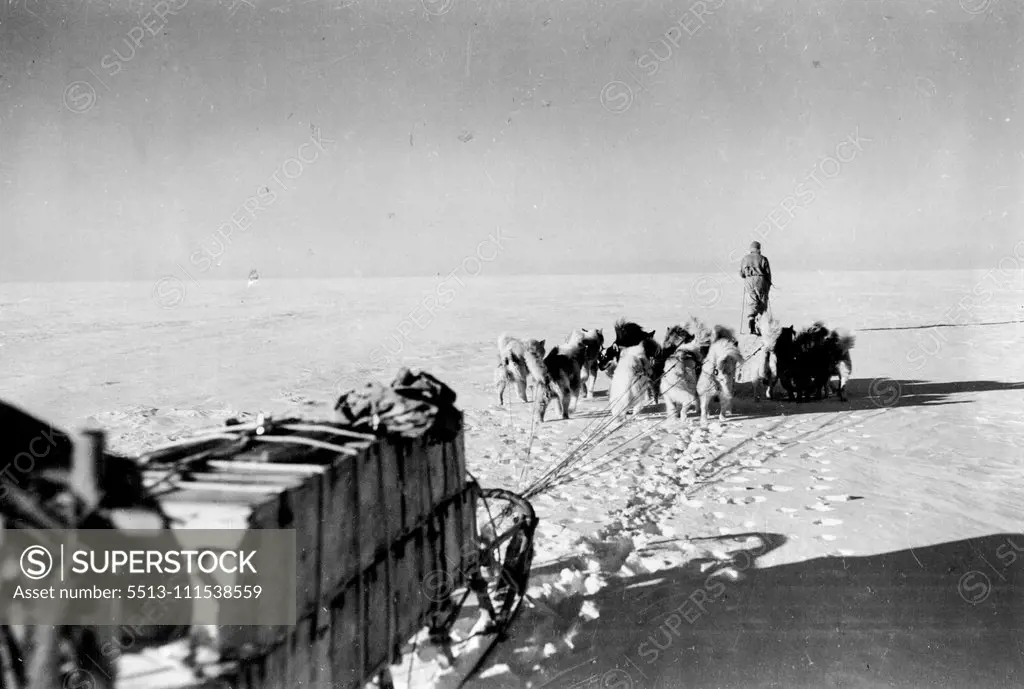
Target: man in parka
(757, 281)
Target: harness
(712, 376)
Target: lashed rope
(576, 459)
(574, 463)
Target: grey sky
(438, 128)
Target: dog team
(693, 366)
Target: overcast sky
(123, 152)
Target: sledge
(408, 572)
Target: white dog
(631, 383)
(718, 374)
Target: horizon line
(497, 275)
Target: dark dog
(799, 362)
(564, 367)
(808, 359)
(628, 334)
(652, 350)
(608, 360)
(785, 358)
(839, 345)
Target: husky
(593, 347)
(718, 374)
(786, 359)
(608, 360)
(511, 368)
(652, 350)
(839, 343)
(533, 356)
(681, 354)
(631, 384)
(807, 361)
(695, 329)
(813, 362)
(629, 334)
(762, 366)
(563, 367)
(633, 379)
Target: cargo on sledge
(394, 541)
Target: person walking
(757, 281)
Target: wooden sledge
(398, 548)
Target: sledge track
(938, 325)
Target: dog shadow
(861, 394)
(934, 615)
(868, 394)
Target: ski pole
(743, 299)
